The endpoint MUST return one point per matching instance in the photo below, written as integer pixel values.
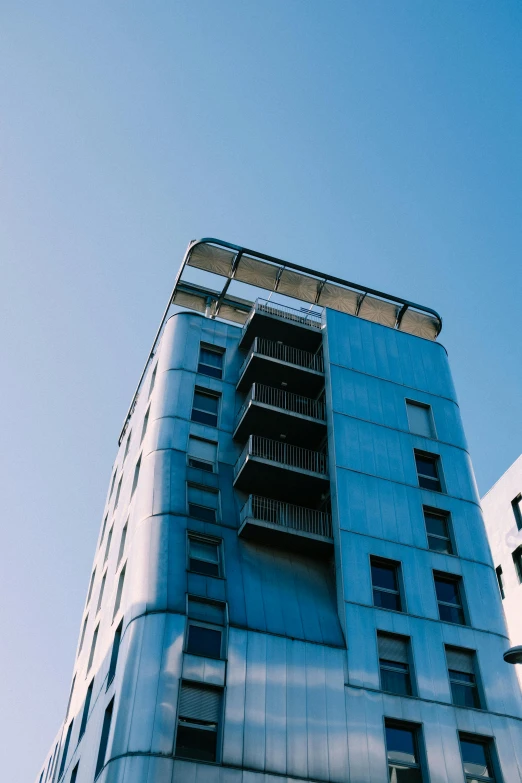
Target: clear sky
(377, 141)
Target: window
(205, 407)
(517, 560)
(402, 748)
(476, 759)
(127, 447)
(118, 493)
(438, 530)
(394, 663)
(103, 529)
(74, 773)
(115, 653)
(202, 503)
(202, 454)
(136, 476)
(420, 419)
(204, 555)
(385, 584)
(82, 637)
(93, 646)
(123, 540)
(65, 749)
(119, 592)
(500, 580)
(70, 696)
(153, 379)
(205, 628)
(86, 708)
(428, 471)
(448, 589)
(461, 670)
(91, 585)
(107, 548)
(113, 482)
(210, 361)
(199, 714)
(102, 588)
(516, 505)
(145, 424)
(55, 759)
(104, 739)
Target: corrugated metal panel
(200, 702)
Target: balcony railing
(285, 454)
(288, 401)
(286, 515)
(304, 318)
(284, 353)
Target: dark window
(205, 407)
(204, 556)
(82, 637)
(516, 505)
(102, 589)
(202, 503)
(49, 765)
(420, 420)
(402, 753)
(205, 628)
(108, 547)
(103, 529)
(210, 361)
(517, 560)
(153, 379)
(114, 653)
(145, 424)
(91, 585)
(500, 580)
(202, 454)
(199, 715)
(385, 582)
(394, 663)
(55, 759)
(118, 493)
(428, 471)
(127, 447)
(461, 670)
(204, 641)
(93, 647)
(70, 696)
(438, 530)
(104, 739)
(86, 707)
(136, 476)
(74, 773)
(476, 759)
(448, 589)
(122, 543)
(113, 482)
(119, 592)
(65, 749)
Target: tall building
(292, 580)
(502, 507)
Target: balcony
(274, 412)
(274, 321)
(290, 472)
(286, 526)
(279, 364)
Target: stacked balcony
(283, 467)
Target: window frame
(212, 541)
(416, 730)
(446, 516)
(200, 726)
(490, 753)
(431, 419)
(389, 664)
(222, 628)
(396, 565)
(206, 393)
(500, 581)
(136, 475)
(86, 708)
(203, 346)
(203, 463)
(115, 652)
(123, 542)
(120, 587)
(437, 460)
(457, 580)
(516, 555)
(474, 687)
(211, 491)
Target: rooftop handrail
(288, 401)
(311, 318)
(276, 512)
(284, 454)
(285, 353)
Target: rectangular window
(123, 540)
(204, 555)
(74, 773)
(385, 583)
(82, 637)
(210, 361)
(119, 592)
(394, 663)
(103, 529)
(202, 454)
(93, 646)
(91, 585)
(438, 530)
(86, 708)
(65, 749)
(102, 588)
(118, 493)
(107, 548)
(205, 628)
(500, 580)
(104, 739)
(205, 407)
(477, 759)
(153, 379)
(420, 419)
(113, 482)
(199, 715)
(202, 503)
(127, 447)
(136, 476)
(428, 471)
(517, 560)
(70, 696)
(145, 424)
(461, 671)
(516, 505)
(402, 749)
(449, 598)
(114, 653)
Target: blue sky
(377, 141)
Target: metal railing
(288, 401)
(304, 318)
(306, 520)
(284, 454)
(285, 353)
